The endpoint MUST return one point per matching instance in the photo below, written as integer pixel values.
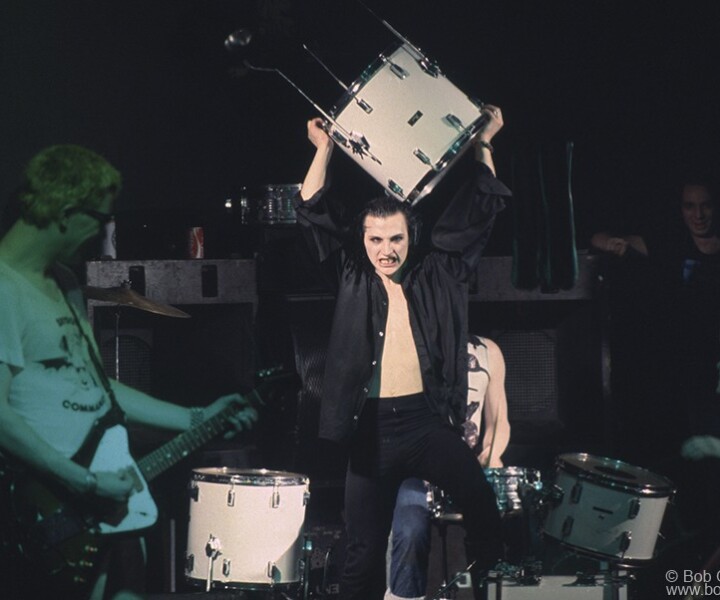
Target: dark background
(150, 86)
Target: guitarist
(52, 386)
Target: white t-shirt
(55, 387)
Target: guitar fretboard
(178, 448)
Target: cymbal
(128, 297)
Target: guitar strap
(115, 415)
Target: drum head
(609, 472)
(261, 477)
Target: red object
(196, 242)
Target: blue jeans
(410, 541)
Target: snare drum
(607, 508)
(246, 527)
(509, 484)
(404, 122)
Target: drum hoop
(249, 477)
(244, 585)
(365, 77)
(441, 167)
(648, 490)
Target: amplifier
(225, 281)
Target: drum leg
(447, 590)
(305, 569)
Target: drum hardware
(212, 551)
(261, 515)
(124, 295)
(510, 581)
(605, 508)
(410, 140)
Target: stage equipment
(126, 296)
(401, 120)
(246, 529)
(603, 585)
(607, 508)
(270, 204)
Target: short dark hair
(385, 206)
(65, 176)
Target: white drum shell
(393, 134)
(602, 516)
(258, 522)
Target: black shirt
(435, 283)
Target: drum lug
(397, 70)
(306, 498)
(634, 508)
(275, 502)
(227, 563)
(567, 526)
(556, 494)
(339, 138)
(576, 493)
(273, 572)
(194, 492)
(429, 66)
(231, 497)
(454, 121)
(625, 540)
(189, 563)
(395, 188)
(364, 105)
(424, 158)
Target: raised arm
(465, 225)
(316, 175)
(483, 140)
(495, 413)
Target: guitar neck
(181, 446)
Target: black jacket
(435, 282)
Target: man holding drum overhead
(396, 376)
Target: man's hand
(493, 124)
(317, 135)
(245, 417)
(616, 245)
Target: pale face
(697, 210)
(387, 242)
(82, 227)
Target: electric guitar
(62, 534)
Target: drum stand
(447, 589)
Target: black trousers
(399, 438)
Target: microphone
(238, 38)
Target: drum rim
(361, 80)
(244, 585)
(258, 477)
(659, 485)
